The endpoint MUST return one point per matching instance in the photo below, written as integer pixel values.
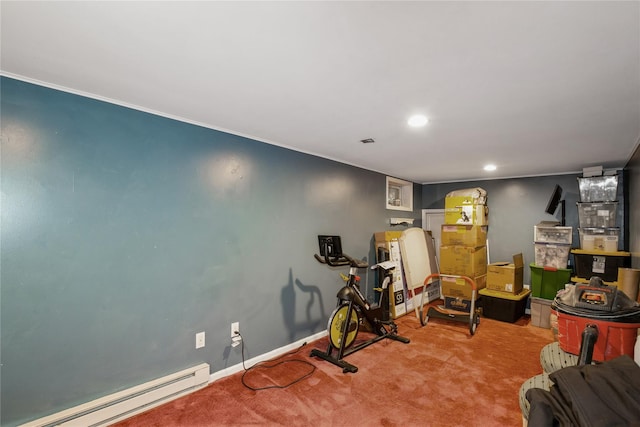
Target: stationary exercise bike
(353, 309)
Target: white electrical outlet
(200, 340)
(235, 327)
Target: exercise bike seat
(387, 265)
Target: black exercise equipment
(353, 308)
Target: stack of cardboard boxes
(463, 250)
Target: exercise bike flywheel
(336, 326)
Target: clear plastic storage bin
(551, 255)
(598, 188)
(601, 239)
(597, 214)
(552, 234)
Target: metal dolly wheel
(473, 318)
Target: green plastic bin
(547, 281)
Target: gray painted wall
(124, 234)
(516, 206)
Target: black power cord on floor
(266, 364)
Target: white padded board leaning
(418, 261)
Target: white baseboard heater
(124, 404)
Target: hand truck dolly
(440, 312)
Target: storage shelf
(597, 252)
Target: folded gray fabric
(603, 395)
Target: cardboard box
(457, 287)
(466, 214)
(383, 238)
(505, 276)
(463, 260)
(504, 306)
(397, 300)
(433, 293)
(399, 286)
(458, 304)
(468, 196)
(466, 206)
(463, 235)
(386, 236)
(388, 240)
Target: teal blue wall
(124, 234)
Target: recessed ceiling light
(417, 121)
(490, 168)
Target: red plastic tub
(615, 337)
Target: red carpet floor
(444, 377)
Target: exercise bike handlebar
(341, 261)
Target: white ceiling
(538, 88)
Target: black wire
(282, 362)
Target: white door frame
(432, 219)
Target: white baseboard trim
(118, 406)
(263, 357)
